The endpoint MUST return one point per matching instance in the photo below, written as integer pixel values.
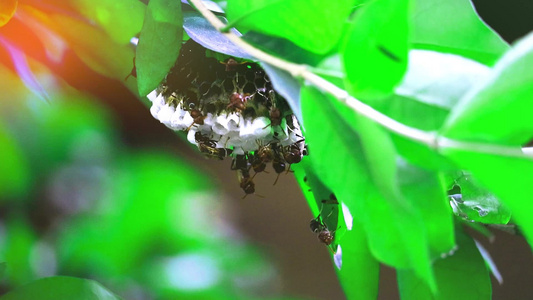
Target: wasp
(265, 152)
(332, 200)
(198, 118)
(133, 72)
(238, 101)
(274, 112)
(240, 162)
(318, 226)
(209, 147)
(261, 157)
(257, 164)
(231, 64)
(278, 163)
(246, 182)
(294, 153)
(275, 116)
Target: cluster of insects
(229, 109)
(281, 157)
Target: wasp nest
(229, 108)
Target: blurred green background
(91, 186)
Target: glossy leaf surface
(159, 43)
(294, 20)
(61, 288)
(201, 31)
(121, 19)
(479, 204)
(376, 46)
(357, 269)
(400, 239)
(507, 177)
(453, 26)
(461, 275)
(504, 95)
(287, 86)
(14, 172)
(114, 62)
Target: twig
(432, 140)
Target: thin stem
(301, 71)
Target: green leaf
(287, 86)
(395, 231)
(16, 249)
(509, 178)
(453, 26)
(359, 275)
(411, 193)
(423, 190)
(375, 50)
(504, 95)
(95, 47)
(358, 270)
(311, 24)
(462, 275)
(434, 79)
(61, 288)
(14, 169)
(331, 69)
(433, 84)
(153, 196)
(417, 191)
(159, 43)
(61, 128)
(214, 6)
(478, 204)
(283, 48)
(3, 266)
(320, 201)
(121, 19)
(423, 99)
(202, 32)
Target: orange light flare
(37, 36)
(25, 39)
(7, 10)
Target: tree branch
(429, 139)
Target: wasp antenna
(288, 169)
(330, 214)
(189, 128)
(277, 177)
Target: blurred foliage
(74, 201)
(137, 221)
(61, 287)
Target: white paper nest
(230, 130)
